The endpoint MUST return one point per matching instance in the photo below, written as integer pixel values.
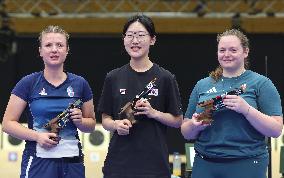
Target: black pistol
(128, 110)
(216, 104)
(59, 122)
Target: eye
(48, 45)
(234, 50)
(59, 45)
(129, 35)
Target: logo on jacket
(42, 92)
(122, 91)
(212, 90)
(70, 91)
(154, 92)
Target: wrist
(247, 111)
(114, 125)
(156, 114)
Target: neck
(141, 65)
(54, 76)
(230, 74)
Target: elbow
(87, 130)
(187, 136)
(178, 122)
(185, 133)
(276, 134)
(4, 127)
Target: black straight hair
(144, 20)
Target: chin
(136, 57)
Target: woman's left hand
(144, 107)
(236, 103)
(76, 115)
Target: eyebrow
(136, 31)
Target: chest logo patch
(212, 90)
(42, 92)
(70, 91)
(122, 91)
(154, 92)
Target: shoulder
(205, 81)
(26, 84)
(76, 77)
(29, 79)
(164, 73)
(118, 71)
(257, 78)
(252, 74)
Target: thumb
(127, 122)
(52, 135)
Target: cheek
(219, 55)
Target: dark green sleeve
(192, 102)
(268, 100)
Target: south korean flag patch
(154, 92)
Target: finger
(74, 117)
(141, 113)
(52, 134)
(141, 108)
(123, 132)
(127, 122)
(48, 145)
(52, 141)
(123, 126)
(230, 107)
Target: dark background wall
(189, 56)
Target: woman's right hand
(197, 124)
(45, 140)
(122, 126)
(191, 128)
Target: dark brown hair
(53, 29)
(217, 73)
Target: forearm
(270, 126)
(108, 123)
(188, 130)
(88, 120)
(168, 119)
(15, 129)
(87, 125)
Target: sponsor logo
(70, 91)
(122, 91)
(42, 92)
(212, 90)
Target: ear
(153, 40)
(68, 49)
(246, 52)
(39, 51)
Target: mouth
(227, 60)
(135, 48)
(54, 57)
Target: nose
(227, 53)
(54, 48)
(135, 39)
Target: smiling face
(231, 54)
(137, 41)
(53, 49)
